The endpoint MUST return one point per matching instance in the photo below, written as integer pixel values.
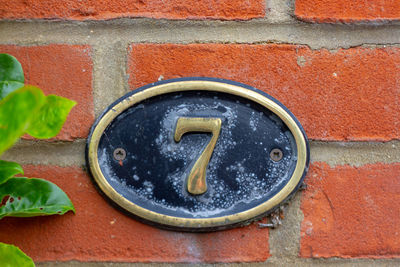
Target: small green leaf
(10, 69)
(29, 197)
(9, 169)
(48, 121)
(11, 75)
(11, 256)
(16, 112)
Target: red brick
(350, 94)
(352, 212)
(99, 232)
(334, 11)
(110, 9)
(64, 70)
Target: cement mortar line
(355, 153)
(316, 36)
(109, 79)
(280, 11)
(284, 240)
(332, 153)
(281, 262)
(47, 153)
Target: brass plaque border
(197, 224)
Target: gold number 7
(196, 181)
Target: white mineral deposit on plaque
(104, 163)
(216, 199)
(187, 150)
(146, 192)
(254, 120)
(219, 197)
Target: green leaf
(10, 69)
(48, 121)
(9, 87)
(11, 75)
(16, 112)
(28, 197)
(11, 256)
(8, 170)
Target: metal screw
(276, 154)
(119, 154)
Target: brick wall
(335, 64)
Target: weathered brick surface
(347, 11)
(108, 9)
(352, 211)
(351, 94)
(64, 70)
(98, 232)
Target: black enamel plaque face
(197, 154)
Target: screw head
(276, 154)
(119, 154)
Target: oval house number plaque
(197, 154)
